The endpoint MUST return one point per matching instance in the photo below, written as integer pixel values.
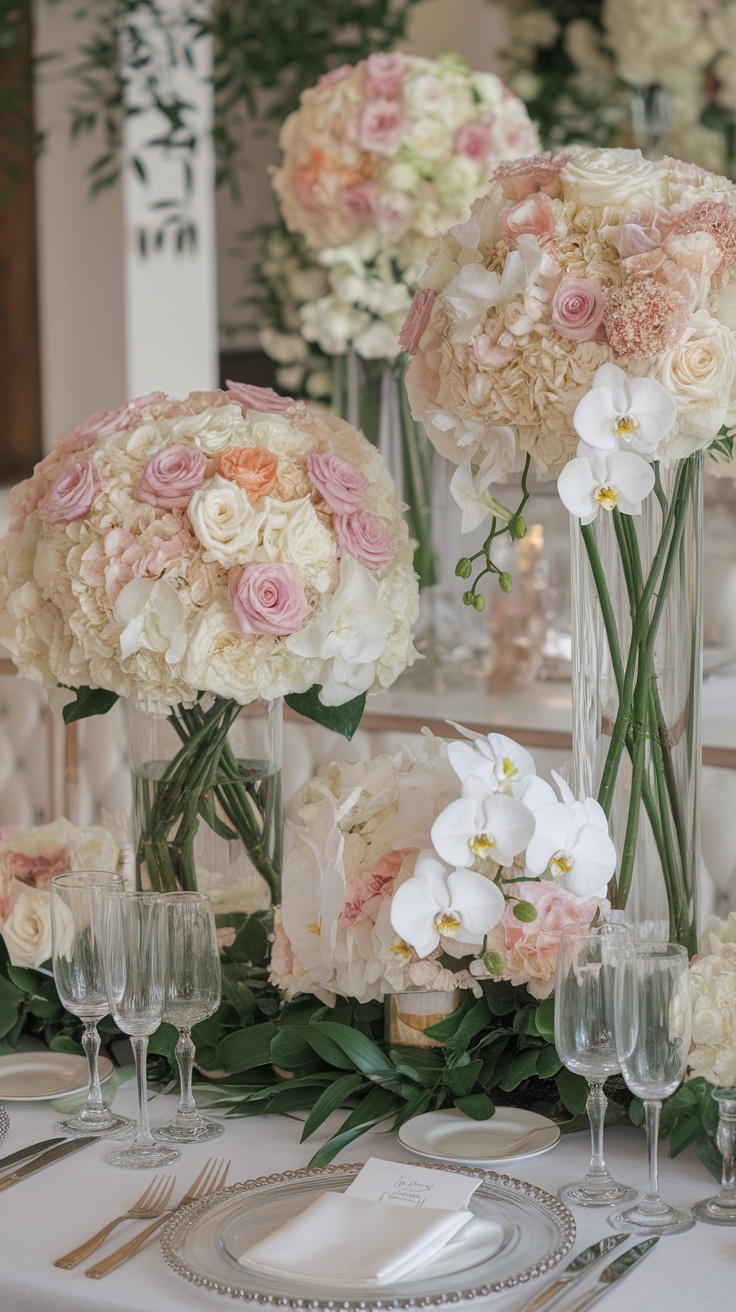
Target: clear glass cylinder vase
(637, 651)
(207, 808)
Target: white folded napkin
(350, 1240)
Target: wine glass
(192, 994)
(720, 1208)
(584, 1038)
(653, 1030)
(77, 934)
(135, 975)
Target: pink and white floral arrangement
(584, 316)
(378, 158)
(234, 543)
(436, 868)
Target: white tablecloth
(50, 1213)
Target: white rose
(612, 177)
(350, 633)
(153, 618)
(699, 373)
(429, 137)
(277, 433)
(401, 176)
(294, 532)
(459, 179)
(145, 441)
(489, 87)
(427, 94)
(27, 930)
(213, 430)
(225, 522)
(723, 306)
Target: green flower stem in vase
(207, 795)
(637, 666)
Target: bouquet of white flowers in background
(437, 868)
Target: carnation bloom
(72, 496)
(269, 598)
(437, 903)
(622, 411)
(250, 467)
(363, 536)
(577, 309)
(717, 218)
(644, 317)
(171, 476)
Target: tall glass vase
(207, 798)
(637, 666)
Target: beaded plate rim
(183, 1218)
(4, 1124)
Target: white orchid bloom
(475, 289)
(620, 411)
(610, 480)
(482, 823)
(499, 761)
(572, 842)
(471, 481)
(438, 903)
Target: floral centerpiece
(581, 321)
(377, 158)
(452, 866)
(196, 557)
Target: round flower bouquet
(378, 158)
(196, 557)
(583, 321)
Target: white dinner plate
(38, 1076)
(450, 1136)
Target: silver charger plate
(4, 1124)
(518, 1232)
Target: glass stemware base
(143, 1157)
(716, 1210)
(596, 1191)
(103, 1123)
(657, 1219)
(198, 1131)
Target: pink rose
(79, 438)
(416, 320)
(365, 891)
(72, 496)
(384, 74)
(342, 485)
(131, 414)
(263, 399)
(269, 598)
(359, 202)
(533, 215)
(512, 137)
(365, 538)
(474, 141)
(530, 950)
(577, 309)
(379, 129)
(170, 478)
(520, 178)
(394, 211)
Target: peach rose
(250, 467)
(533, 215)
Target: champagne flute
(720, 1208)
(584, 1037)
(192, 994)
(77, 901)
(653, 1030)
(135, 975)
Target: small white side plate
(38, 1076)
(450, 1136)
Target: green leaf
(461, 1079)
(245, 1049)
(327, 1049)
(330, 1100)
(545, 1019)
(685, 1133)
(23, 979)
(291, 1052)
(376, 1106)
(163, 1042)
(520, 1068)
(476, 1105)
(573, 1091)
(419, 1064)
(343, 719)
(709, 1155)
(548, 1062)
(65, 1043)
(360, 1049)
(251, 943)
(88, 701)
(456, 1033)
(335, 1145)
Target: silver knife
(574, 1270)
(53, 1155)
(615, 1271)
(32, 1150)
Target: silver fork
(212, 1177)
(152, 1202)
